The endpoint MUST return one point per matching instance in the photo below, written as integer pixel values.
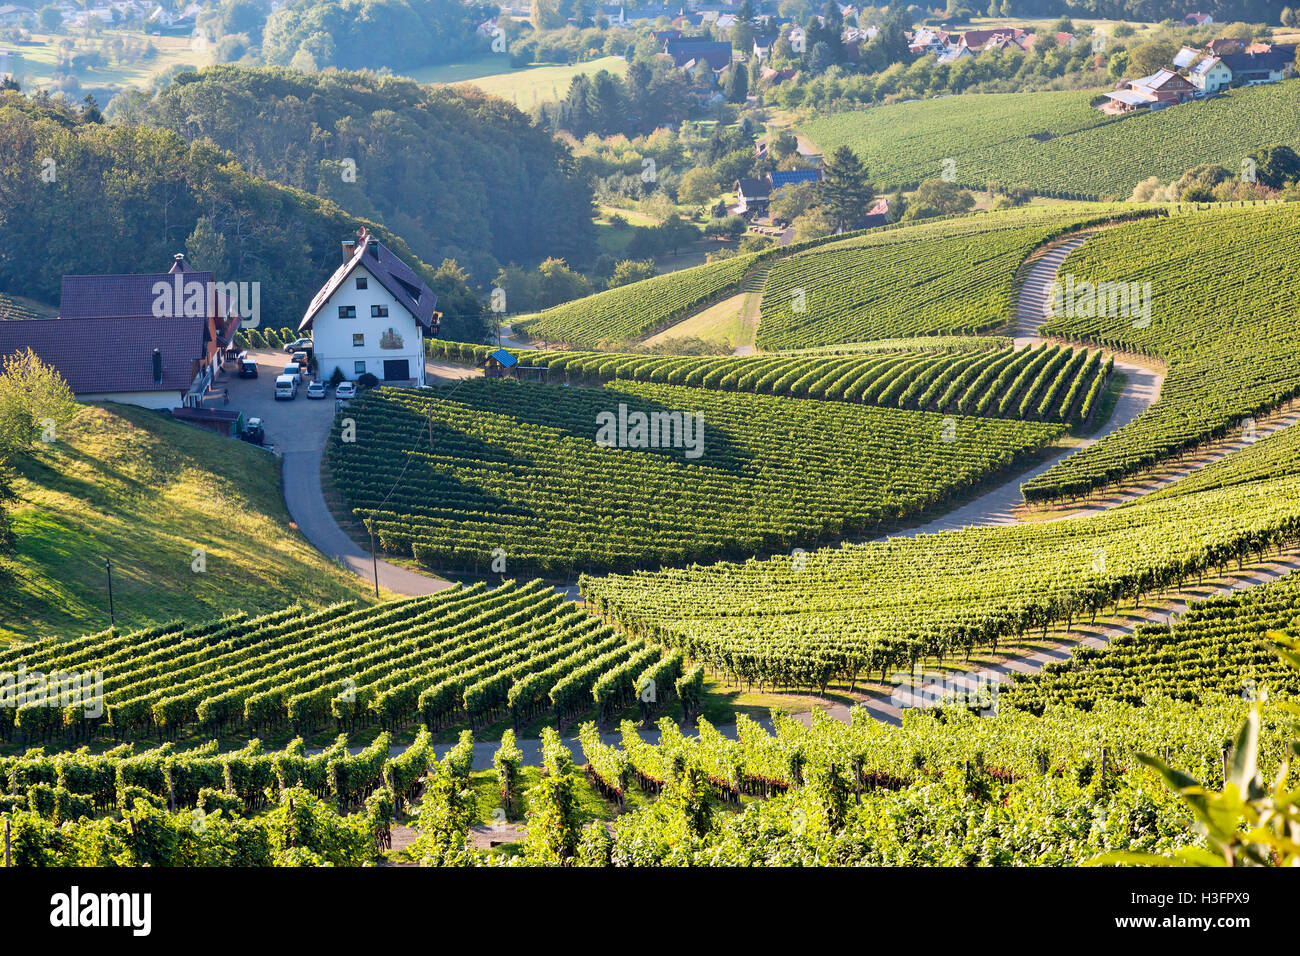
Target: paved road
(298, 431)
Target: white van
(286, 387)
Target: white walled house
(1210, 75)
(371, 317)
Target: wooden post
(1225, 768)
(1103, 763)
(7, 841)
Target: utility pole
(374, 560)
(108, 569)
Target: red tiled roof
(112, 354)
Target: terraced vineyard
(467, 654)
(938, 278)
(1224, 287)
(842, 613)
(1055, 143)
(499, 470)
(1051, 383)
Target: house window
(379, 311)
(358, 340)
(358, 368)
(347, 312)
(363, 282)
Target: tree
(50, 19)
(821, 59)
(1197, 184)
(736, 86)
(791, 202)
(845, 190)
(813, 224)
(1276, 166)
(35, 403)
(934, 197)
(1146, 58)
(698, 186)
(632, 270)
(1289, 18)
(557, 283)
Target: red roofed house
(118, 338)
(1198, 19)
(1161, 88)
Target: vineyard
(1219, 646)
(517, 475)
(1223, 292)
(465, 656)
(636, 310)
(951, 276)
(1054, 142)
(1051, 383)
(265, 338)
(841, 614)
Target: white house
(13, 14)
(1210, 75)
(371, 317)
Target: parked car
(301, 358)
(247, 368)
(298, 345)
(254, 432)
(345, 390)
(286, 387)
(317, 390)
(294, 369)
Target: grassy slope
(536, 84)
(128, 484)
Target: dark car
(253, 432)
(247, 368)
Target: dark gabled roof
(1272, 61)
(121, 296)
(112, 354)
(389, 271)
(717, 53)
(784, 177)
(753, 188)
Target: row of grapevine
(534, 476)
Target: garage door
(396, 370)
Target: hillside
(1221, 285)
(503, 190)
(132, 486)
(1055, 143)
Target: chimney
(349, 249)
(157, 366)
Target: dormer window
(363, 282)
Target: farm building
(371, 317)
(111, 342)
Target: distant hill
(457, 173)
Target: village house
(1250, 69)
(113, 342)
(1187, 56)
(1210, 75)
(1198, 20)
(688, 51)
(12, 15)
(371, 317)
(752, 196)
(1160, 89)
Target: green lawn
(131, 485)
(535, 84)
